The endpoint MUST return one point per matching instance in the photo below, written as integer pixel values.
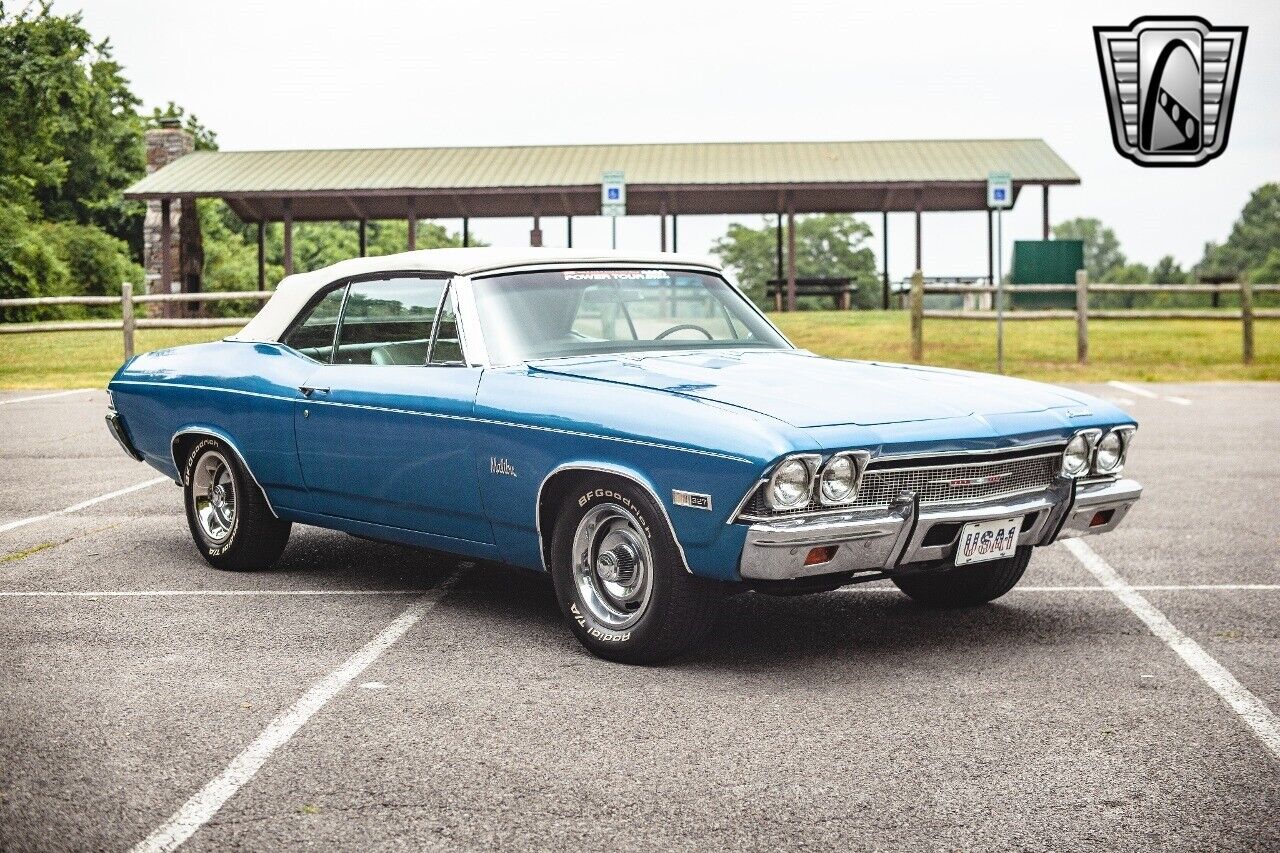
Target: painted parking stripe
(1171, 587)
(206, 802)
(1150, 395)
(1134, 389)
(1255, 714)
(23, 522)
(44, 396)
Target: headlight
(1075, 459)
(790, 485)
(1109, 457)
(839, 481)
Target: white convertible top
(295, 291)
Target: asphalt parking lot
(367, 696)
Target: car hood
(805, 390)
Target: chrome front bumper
(776, 549)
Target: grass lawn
(1156, 350)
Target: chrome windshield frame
(471, 328)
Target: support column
(166, 247)
(791, 255)
(535, 235)
(662, 227)
(919, 233)
(413, 223)
(568, 231)
(885, 296)
(1046, 231)
(262, 254)
(364, 238)
(466, 232)
(675, 236)
(778, 254)
(288, 237)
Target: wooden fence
(1082, 313)
(128, 321)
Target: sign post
(613, 199)
(999, 196)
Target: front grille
(947, 479)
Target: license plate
(988, 540)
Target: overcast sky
(374, 74)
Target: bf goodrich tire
(966, 586)
(230, 521)
(619, 577)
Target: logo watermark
(1171, 85)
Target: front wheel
(966, 586)
(620, 579)
(229, 517)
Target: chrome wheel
(612, 565)
(213, 493)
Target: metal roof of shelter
(555, 180)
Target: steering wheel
(683, 326)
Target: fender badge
(1080, 413)
(690, 499)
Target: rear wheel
(230, 521)
(620, 579)
(966, 586)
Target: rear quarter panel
(243, 391)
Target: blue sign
(613, 193)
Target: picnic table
(839, 289)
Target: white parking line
(44, 396)
(1151, 395)
(164, 593)
(206, 802)
(1194, 587)
(1256, 715)
(1134, 389)
(23, 522)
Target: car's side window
(314, 335)
(389, 321)
(447, 347)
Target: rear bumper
(121, 434)
(776, 550)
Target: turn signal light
(818, 556)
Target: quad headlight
(1079, 453)
(790, 485)
(1109, 456)
(838, 482)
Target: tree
(70, 138)
(1253, 237)
(1167, 271)
(1101, 247)
(829, 245)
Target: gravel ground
(1052, 719)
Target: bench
(839, 289)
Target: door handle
(308, 390)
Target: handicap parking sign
(614, 193)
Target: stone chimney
(166, 144)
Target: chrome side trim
(617, 471)
(465, 418)
(173, 454)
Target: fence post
(917, 316)
(1082, 317)
(1246, 319)
(126, 317)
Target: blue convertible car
(631, 424)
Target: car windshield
(550, 314)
